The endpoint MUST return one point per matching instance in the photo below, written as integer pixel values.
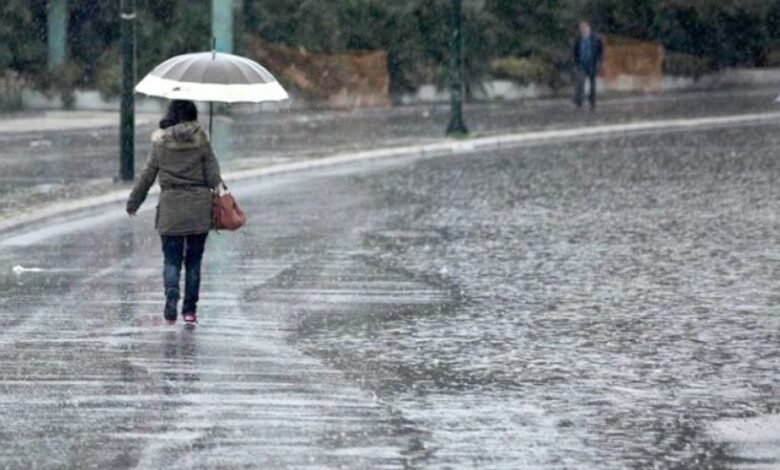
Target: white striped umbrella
(213, 77)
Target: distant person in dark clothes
(588, 51)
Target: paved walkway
(64, 121)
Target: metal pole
(222, 24)
(211, 103)
(57, 24)
(456, 126)
(211, 116)
(127, 121)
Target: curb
(436, 149)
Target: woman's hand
(219, 189)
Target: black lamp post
(456, 126)
(127, 119)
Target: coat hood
(185, 135)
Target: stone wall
(356, 79)
(631, 65)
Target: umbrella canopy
(212, 76)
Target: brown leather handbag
(225, 211)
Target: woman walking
(188, 171)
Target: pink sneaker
(190, 319)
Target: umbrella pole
(211, 103)
(211, 116)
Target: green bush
(63, 81)
(22, 35)
(523, 70)
(685, 65)
(11, 86)
(773, 57)
(108, 73)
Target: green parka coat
(182, 158)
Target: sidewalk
(58, 157)
(16, 123)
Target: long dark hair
(179, 111)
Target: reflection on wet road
(92, 378)
(592, 304)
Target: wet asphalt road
(596, 304)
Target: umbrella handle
(211, 116)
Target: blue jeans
(585, 74)
(186, 249)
